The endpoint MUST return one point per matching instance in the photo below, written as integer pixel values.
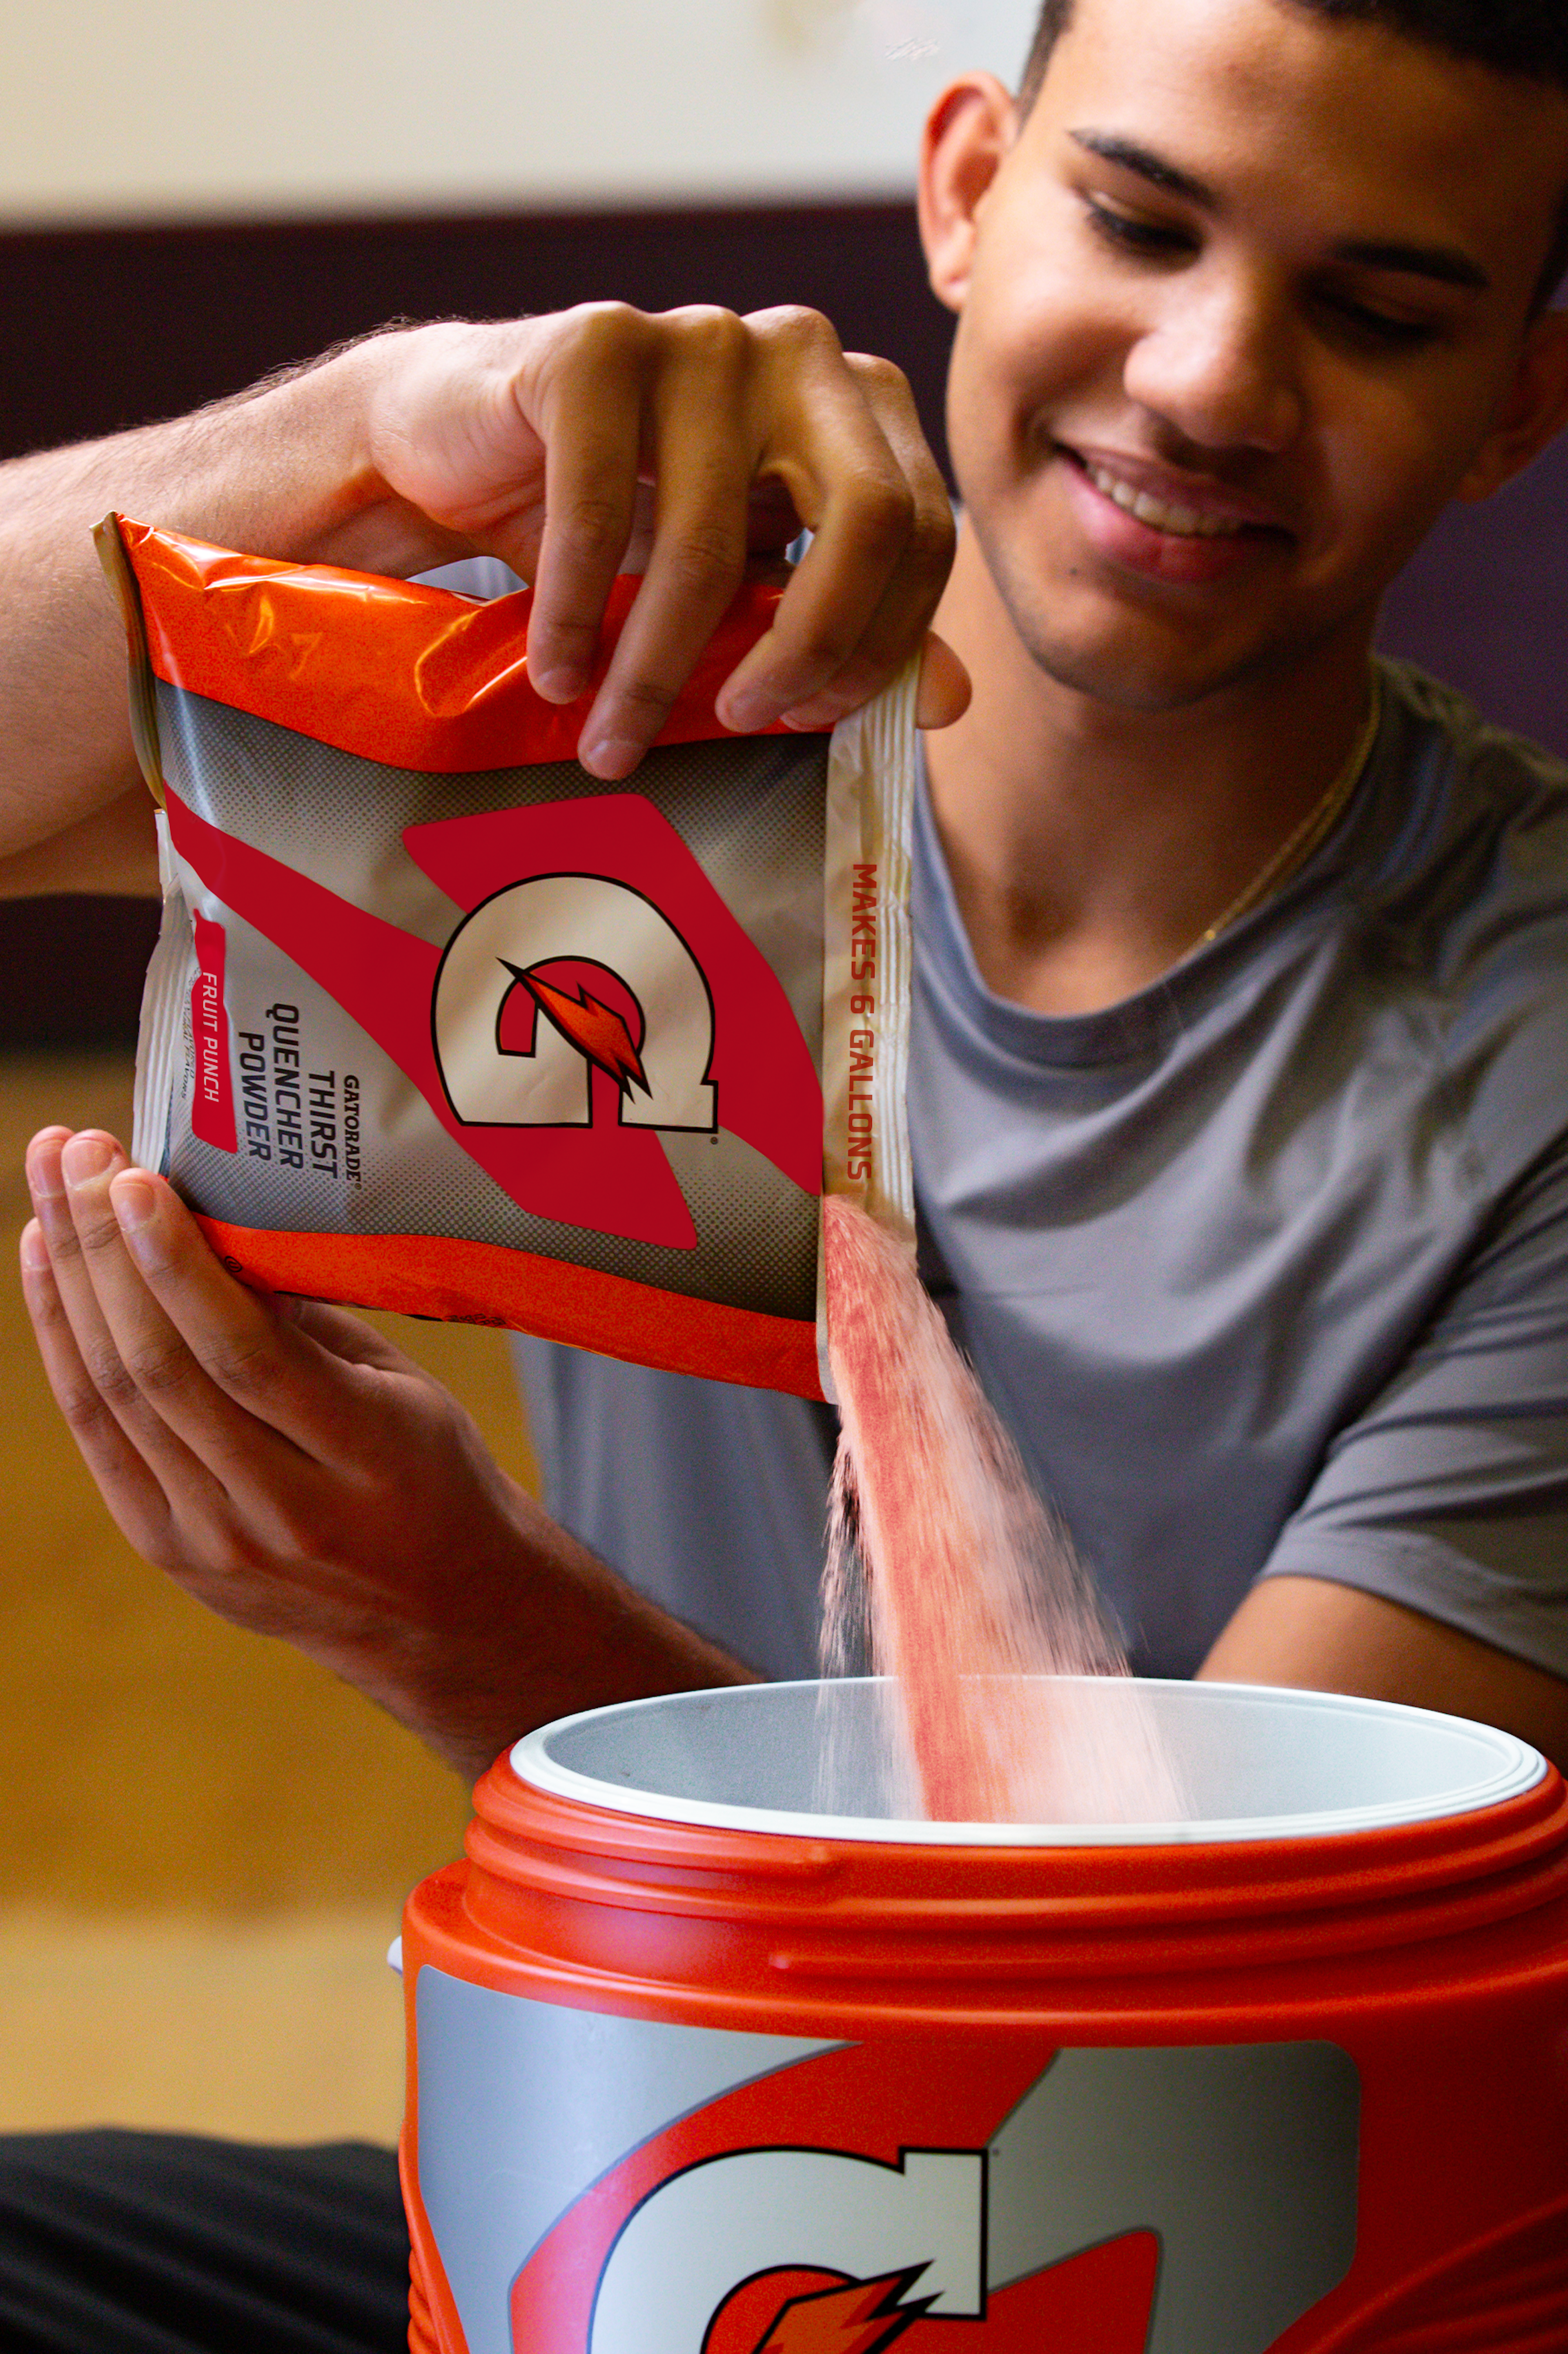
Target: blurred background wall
(205, 1840)
(123, 110)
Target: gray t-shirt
(1266, 1267)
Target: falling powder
(944, 1565)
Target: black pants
(164, 2244)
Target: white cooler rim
(1515, 1768)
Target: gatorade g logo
(887, 2245)
(598, 1001)
(615, 2185)
(561, 977)
(1129, 2202)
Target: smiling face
(1243, 301)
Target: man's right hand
(577, 445)
(604, 440)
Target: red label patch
(212, 1082)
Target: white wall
(171, 109)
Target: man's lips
(1168, 525)
(1187, 505)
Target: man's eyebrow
(1146, 165)
(1443, 262)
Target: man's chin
(1136, 655)
(1127, 658)
(1131, 678)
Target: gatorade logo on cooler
(824, 2252)
(626, 2186)
(741, 2271)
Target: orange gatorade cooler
(710, 2054)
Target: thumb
(943, 695)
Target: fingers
(195, 1370)
(945, 688)
(575, 444)
(76, 1339)
(128, 1485)
(592, 424)
(745, 430)
(705, 446)
(860, 601)
(540, 440)
(250, 1390)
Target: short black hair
(1526, 38)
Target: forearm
(1323, 1636)
(281, 471)
(538, 1627)
(112, 852)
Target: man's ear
(970, 129)
(1533, 413)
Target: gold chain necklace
(1313, 830)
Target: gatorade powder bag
(437, 1022)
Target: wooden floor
(205, 1840)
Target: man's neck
(1091, 848)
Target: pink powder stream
(967, 1593)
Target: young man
(1239, 1125)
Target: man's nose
(1218, 365)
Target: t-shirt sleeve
(1450, 1493)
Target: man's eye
(1381, 328)
(1129, 234)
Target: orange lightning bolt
(596, 1030)
(860, 2318)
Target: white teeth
(1183, 523)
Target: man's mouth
(1184, 523)
(1207, 513)
(1186, 531)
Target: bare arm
(1308, 1632)
(275, 466)
(570, 445)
